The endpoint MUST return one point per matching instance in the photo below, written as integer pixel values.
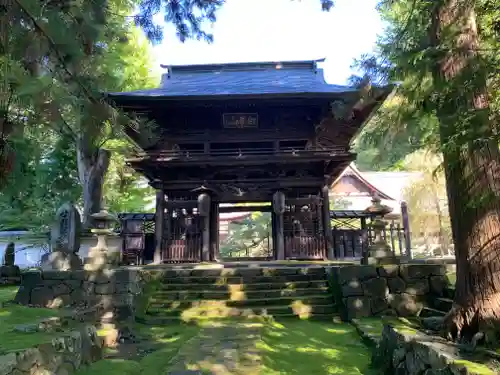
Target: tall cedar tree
(472, 168)
(448, 84)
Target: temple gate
(246, 132)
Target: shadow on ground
(310, 347)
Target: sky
(281, 30)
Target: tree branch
(56, 52)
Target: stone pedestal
(61, 261)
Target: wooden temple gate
(239, 133)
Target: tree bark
(92, 168)
(472, 168)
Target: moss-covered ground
(371, 328)
(12, 316)
(246, 347)
(313, 347)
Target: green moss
(308, 347)
(452, 277)
(150, 285)
(171, 338)
(15, 315)
(7, 293)
(374, 326)
(474, 368)
(112, 367)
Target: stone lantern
(379, 251)
(100, 256)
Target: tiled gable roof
(299, 77)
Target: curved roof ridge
(351, 169)
(241, 65)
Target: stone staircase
(231, 292)
(441, 305)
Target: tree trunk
(472, 168)
(92, 168)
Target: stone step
(238, 294)
(158, 304)
(238, 272)
(225, 280)
(164, 320)
(442, 304)
(429, 312)
(449, 292)
(239, 285)
(222, 311)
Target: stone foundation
(63, 355)
(403, 290)
(10, 275)
(406, 351)
(359, 291)
(112, 290)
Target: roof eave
(117, 98)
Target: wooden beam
(181, 204)
(245, 209)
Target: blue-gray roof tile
(290, 78)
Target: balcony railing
(243, 153)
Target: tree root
(476, 324)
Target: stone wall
(63, 355)
(407, 351)
(10, 275)
(404, 290)
(113, 290)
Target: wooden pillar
(279, 209)
(167, 240)
(159, 225)
(364, 237)
(327, 226)
(214, 231)
(204, 205)
(406, 227)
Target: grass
(312, 347)
(7, 293)
(287, 347)
(452, 277)
(374, 326)
(167, 339)
(14, 315)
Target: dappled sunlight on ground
(14, 316)
(309, 347)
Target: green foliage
(124, 189)
(427, 202)
(250, 236)
(406, 54)
(51, 93)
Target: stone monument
(65, 240)
(9, 257)
(100, 257)
(9, 272)
(379, 251)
